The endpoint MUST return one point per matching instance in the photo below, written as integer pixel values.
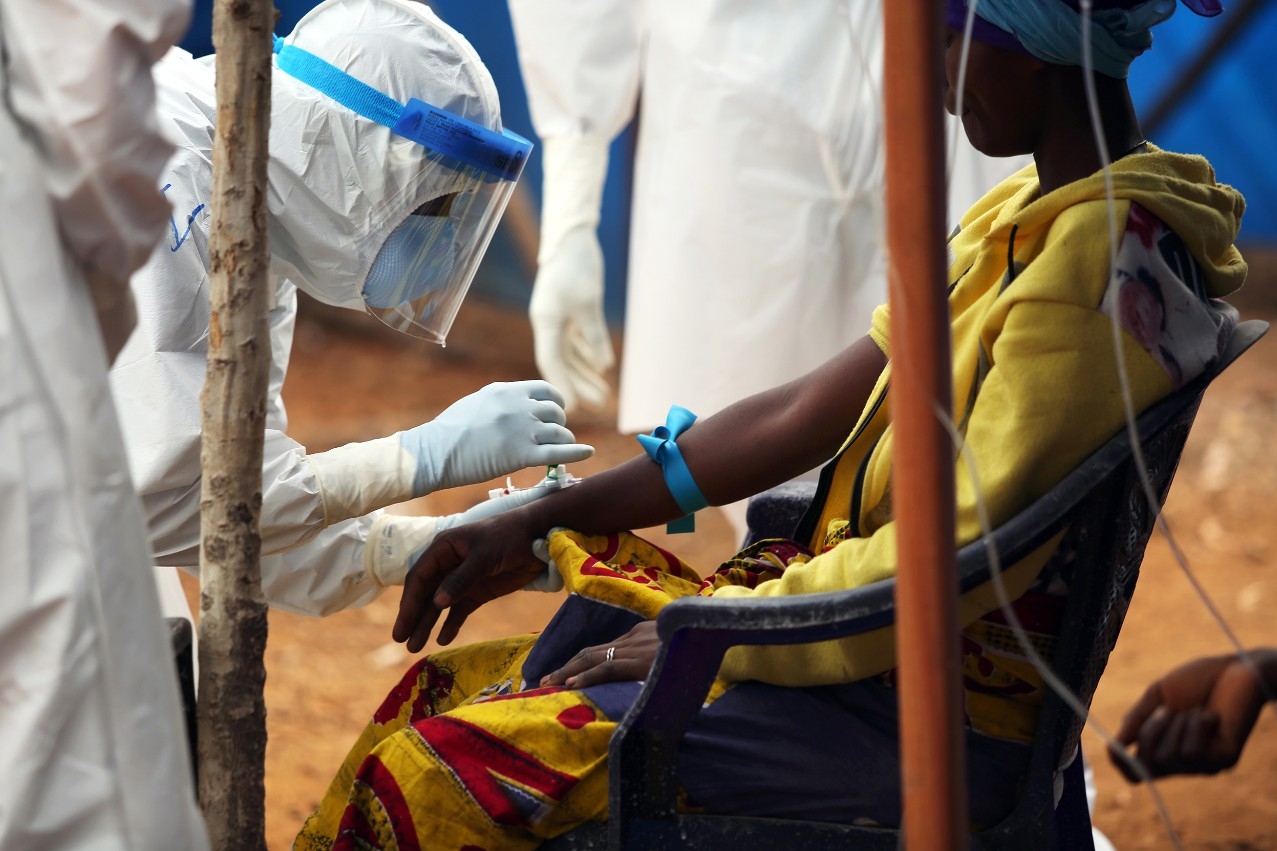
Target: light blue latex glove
(492, 507)
(492, 432)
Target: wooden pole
(933, 774)
(231, 725)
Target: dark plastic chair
(1109, 521)
(182, 639)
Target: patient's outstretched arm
(748, 447)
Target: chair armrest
(782, 620)
(695, 633)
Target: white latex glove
(494, 431)
(396, 542)
(551, 580)
(573, 346)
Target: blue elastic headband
(501, 155)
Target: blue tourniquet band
(661, 447)
(501, 155)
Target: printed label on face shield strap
(501, 155)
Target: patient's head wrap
(1051, 29)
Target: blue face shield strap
(500, 155)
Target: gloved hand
(491, 432)
(395, 542)
(573, 347)
(494, 431)
(551, 580)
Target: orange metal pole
(933, 758)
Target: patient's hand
(461, 570)
(632, 658)
(1196, 719)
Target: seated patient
(503, 744)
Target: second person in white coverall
(361, 216)
(757, 197)
(92, 747)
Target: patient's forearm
(748, 447)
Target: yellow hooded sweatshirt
(1034, 373)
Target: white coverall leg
(92, 747)
(756, 244)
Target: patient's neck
(1067, 149)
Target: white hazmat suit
(92, 745)
(339, 185)
(756, 244)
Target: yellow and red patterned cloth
(462, 754)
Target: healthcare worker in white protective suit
(92, 745)
(362, 216)
(756, 240)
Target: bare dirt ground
(352, 381)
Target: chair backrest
(1100, 557)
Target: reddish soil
(352, 380)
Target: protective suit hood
(340, 183)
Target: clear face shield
(423, 269)
(448, 182)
